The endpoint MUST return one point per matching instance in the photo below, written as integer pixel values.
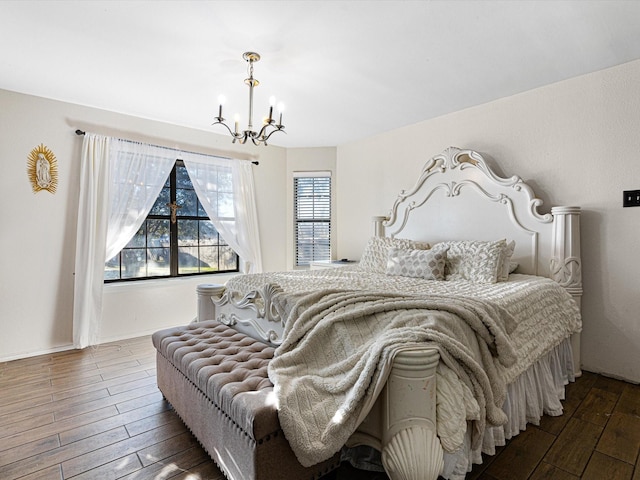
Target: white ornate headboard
(459, 197)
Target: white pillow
(476, 261)
(427, 264)
(374, 256)
(505, 261)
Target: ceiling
(345, 70)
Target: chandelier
(269, 126)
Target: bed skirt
(536, 392)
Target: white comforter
(543, 314)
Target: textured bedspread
(530, 315)
(544, 312)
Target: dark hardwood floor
(97, 414)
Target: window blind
(312, 217)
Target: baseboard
(20, 356)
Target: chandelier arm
(272, 132)
(261, 133)
(219, 122)
(237, 136)
(240, 136)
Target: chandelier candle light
(269, 126)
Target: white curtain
(119, 183)
(91, 239)
(225, 189)
(138, 173)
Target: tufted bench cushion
(229, 367)
(216, 380)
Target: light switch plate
(631, 198)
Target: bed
(370, 358)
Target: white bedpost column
(411, 449)
(566, 262)
(378, 226)
(206, 308)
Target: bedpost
(411, 449)
(206, 308)
(566, 263)
(378, 226)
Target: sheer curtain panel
(225, 189)
(120, 181)
(138, 173)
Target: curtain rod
(81, 132)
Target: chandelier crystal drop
(269, 126)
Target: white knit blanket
(338, 347)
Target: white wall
(38, 231)
(576, 142)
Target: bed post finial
(206, 308)
(378, 226)
(566, 263)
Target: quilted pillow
(374, 256)
(476, 261)
(427, 264)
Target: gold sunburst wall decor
(42, 168)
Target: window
(172, 244)
(312, 216)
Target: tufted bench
(216, 380)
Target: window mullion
(173, 228)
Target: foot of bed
(411, 450)
(414, 453)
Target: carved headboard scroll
(458, 196)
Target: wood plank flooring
(97, 414)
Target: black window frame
(172, 184)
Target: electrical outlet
(631, 198)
